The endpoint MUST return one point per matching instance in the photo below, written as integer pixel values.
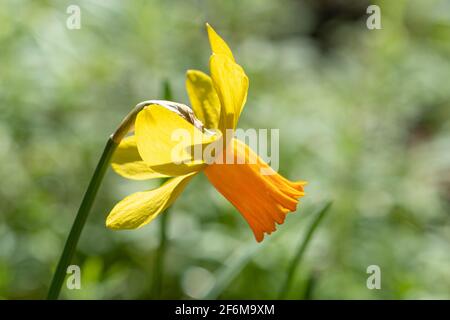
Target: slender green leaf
(230, 270)
(301, 250)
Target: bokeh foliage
(364, 116)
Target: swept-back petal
(168, 143)
(263, 200)
(231, 84)
(218, 45)
(128, 163)
(140, 208)
(203, 97)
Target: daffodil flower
(217, 102)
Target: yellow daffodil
(217, 102)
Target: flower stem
(72, 240)
(80, 220)
(161, 252)
(301, 250)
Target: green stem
(89, 197)
(80, 220)
(160, 254)
(301, 250)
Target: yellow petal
(140, 208)
(218, 45)
(166, 141)
(128, 163)
(203, 97)
(231, 84)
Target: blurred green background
(364, 116)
